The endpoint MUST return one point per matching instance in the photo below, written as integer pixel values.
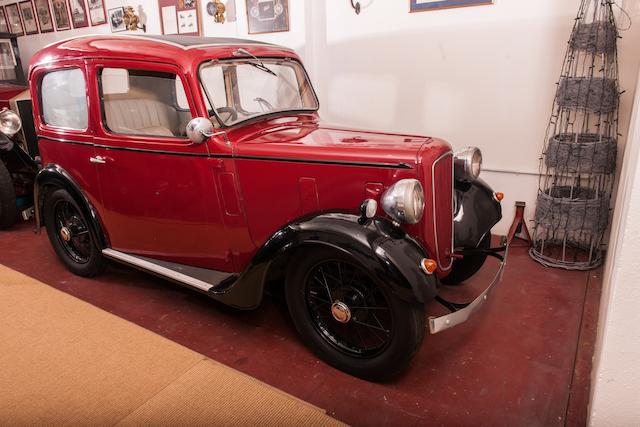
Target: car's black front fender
(477, 211)
(386, 251)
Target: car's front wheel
(69, 233)
(348, 319)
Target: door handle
(98, 159)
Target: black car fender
(385, 250)
(54, 176)
(477, 211)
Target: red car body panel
(214, 205)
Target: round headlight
(404, 201)
(468, 164)
(10, 122)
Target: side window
(141, 102)
(63, 97)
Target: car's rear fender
(52, 177)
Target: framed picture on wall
(7, 60)
(28, 17)
(43, 12)
(97, 12)
(424, 5)
(116, 19)
(79, 17)
(4, 27)
(267, 16)
(61, 15)
(180, 17)
(13, 19)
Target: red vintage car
(204, 161)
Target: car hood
(306, 139)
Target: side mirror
(199, 130)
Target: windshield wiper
(259, 65)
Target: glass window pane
(64, 99)
(141, 102)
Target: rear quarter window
(63, 97)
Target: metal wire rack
(578, 163)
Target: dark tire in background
(8, 207)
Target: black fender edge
(55, 176)
(477, 211)
(386, 251)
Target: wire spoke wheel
(72, 232)
(348, 309)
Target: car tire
(8, 207)
(378, 352)
(70, 236)
(464, 268)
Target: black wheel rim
(348, 309)
(72, 232)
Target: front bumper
(461, 312)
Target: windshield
(238, 90)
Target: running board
(201, 279)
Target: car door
(159, 196)
(63, 125)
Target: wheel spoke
(370, 326)
(326, 284)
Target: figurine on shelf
(219, 12)
(132, 21)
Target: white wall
(481, 76)
(615, 392)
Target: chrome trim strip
(433, 199)
(157, 269)
(439, 324)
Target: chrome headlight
(404, 201)
(10, 122)
(467, 164)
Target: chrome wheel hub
(341, 312)
(65, 233)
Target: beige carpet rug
(66, 362)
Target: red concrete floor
(510, 365)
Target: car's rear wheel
(8, 207)
(69, 233)
(464, 268)
(348, 319)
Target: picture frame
(267, 16)
(427, 5)
(116, 19)
(61, 15)
(14, 20)
(180, 17)
(4, 26)
(45, 18)
(79, 16)
(28, 17)
(97, 12)
(8, 61)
